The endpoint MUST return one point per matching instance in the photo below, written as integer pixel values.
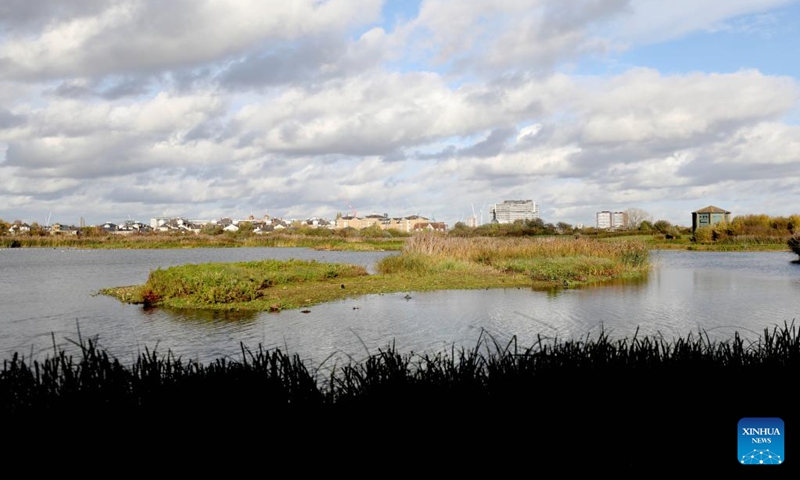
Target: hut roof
(711, 209)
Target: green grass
(169, 241)
(427, 262)
(259, 283)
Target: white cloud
(650, 21)
(521, 35)
(365, 115)
(212, 107)
(149, 35)
(642, 105)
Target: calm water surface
(49, 296)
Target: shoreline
(427, 263)
(344, 243)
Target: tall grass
(548, 259)
(221, 283)
(190, 240)
(488, 371)
(613, 404)
(492, 250)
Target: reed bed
(159, 241)
(554, 261)
(427, 262)
(487, 372)
(490, 250)
(608, 404)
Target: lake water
(49, 296)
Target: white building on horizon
(607, 220)
(512, 210)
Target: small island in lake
(427, 262)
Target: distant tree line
(638, 223)
(760, 227)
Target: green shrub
(703, 235)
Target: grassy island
(427, 262)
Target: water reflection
(49, 294)
(201, 316)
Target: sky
(131, 109)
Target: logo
(761, 441)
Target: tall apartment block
(611, 220)
(511, 210)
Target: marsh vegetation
(427, 262)
(599, 398)
(191, 240)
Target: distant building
(607, 220)
(709, 216)
(430, 227)
(19, 229)
(512, 210)
(404, 224)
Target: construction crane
(474, 216)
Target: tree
(636, 216)
(662, 226)
(373, 231)
(564, 227)
(37, 229)
(92, 231)
(245, 228)
(211, 229)
(534, 223)
(460, 229)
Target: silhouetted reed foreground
(587, 396)
(484, 373)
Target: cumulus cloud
(517, 35)
(209, 108)
(364, 115)
(119, 37)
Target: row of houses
(268, 224)
(61, 229)
(262, 225)
(507, 212)
(56, 228)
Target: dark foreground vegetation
(624, 404)
(794, 243)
